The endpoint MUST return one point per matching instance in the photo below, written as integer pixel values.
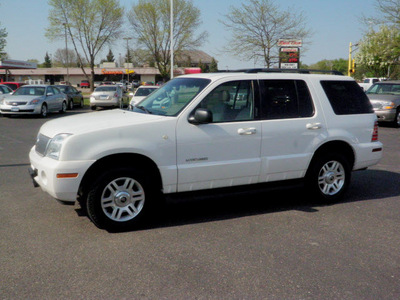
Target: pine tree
(110, 56)
(47, 61)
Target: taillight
(375, 132)
(116, 95)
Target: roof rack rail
(302, 71)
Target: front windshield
(389, 89)
(144, 91)
(172, 97)
(30, 91)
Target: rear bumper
(368, 155)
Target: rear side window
(284, 99)
(346, 97)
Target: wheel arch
(137, 161)
(341, 147)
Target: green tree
(329, 65)
(379, 51)
(110, 56)
(256, 27)
(47, 61)
(150, 21)
(3, 41)
(213, 65)
(89, 24)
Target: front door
(226, 151)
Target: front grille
(41, 144)
(14, 103)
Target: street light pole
(66, 50)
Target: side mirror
(201, 116)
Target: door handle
(247, 131)
(313, 126)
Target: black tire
(328, 177)
(121, 198)
(396, 122)
(43, 110)
(63, 107)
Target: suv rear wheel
(120, 199)
(329, 176)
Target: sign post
(289, 53)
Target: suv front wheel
(120, 199)
(329, 176)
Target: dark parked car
(385, 99)
(75, 97)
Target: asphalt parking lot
(275, 245)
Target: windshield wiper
(141, 107)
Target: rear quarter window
(346, 97)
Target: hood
(95, 121)
(383, 97)
(22, 98)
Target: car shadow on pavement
(365, 186)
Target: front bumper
(45, 172)
(19, 109)
(386, 115)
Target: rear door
(292, 126)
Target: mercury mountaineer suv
(213, 132)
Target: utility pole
(351, 63)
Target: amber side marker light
(67, 175)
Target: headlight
(34, 101)
(390, 105)
(54, 147)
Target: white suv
(212, 131)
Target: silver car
(107, 96)
(34, 99)
(385, 99)
(4, 91)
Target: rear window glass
(283, 99)
(346, 97)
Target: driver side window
(231, 101)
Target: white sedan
(107, 96)
(141, 93)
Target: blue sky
(335, 24)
